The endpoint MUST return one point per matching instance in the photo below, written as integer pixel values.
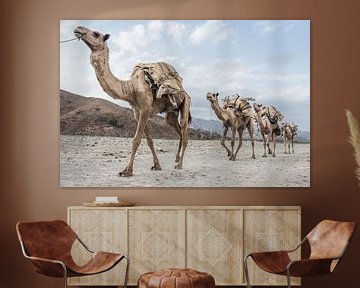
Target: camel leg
(223, 139)
(289, 145)
(274, 143)
(269, 138)
(233, 136)
(172, 119)
(240, 132)
(184, 125)
(292, 146)
(251, 133)
(143, 117)
(264, 143)
(285, 144)
(150, 143)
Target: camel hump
(274, 114)
(159, 71)
(162, 78)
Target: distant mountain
(216, 126)
(91, 116)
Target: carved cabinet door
(214, 244)
(271, 230)
(156, 240)
(101, 230)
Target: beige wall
(29, 123)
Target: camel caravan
(238, 115)
(157, 88)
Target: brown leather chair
(48, 245)
(328, 242)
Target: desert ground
(88, 161)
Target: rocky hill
(90, 116)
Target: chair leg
(288, 278)
(246, 272)
(127, 271)
(65, 275)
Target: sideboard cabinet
(212, 239)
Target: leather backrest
(46, 239)
(329, 238)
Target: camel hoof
(253, 157)
(270, 152)
(273, 155)
(125, 173)
(178, 166)
(264, 156)
(156, 167)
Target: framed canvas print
(184, 103)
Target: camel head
(257, 107)
(212, 97)
(295, 128)
(93, 39)
(282, 128)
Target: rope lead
(69, 40)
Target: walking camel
(230, 120)
(140, 95)
(289, 131)
(267, 118)
(243, 110)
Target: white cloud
(265, 27)
(131, 42)
(176, 30)
(136, 41)
(211, 30)
(155, 26)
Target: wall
(30, 119)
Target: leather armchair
(48, 245)
(328, 242)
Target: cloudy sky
(267, 60)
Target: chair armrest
(84, 245)
(309, 267)
(48, 267)
(298, 246)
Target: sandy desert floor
(87, 161)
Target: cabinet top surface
(192, 207)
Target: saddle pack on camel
(273, 114)
(163, 80)
(240, 105)
(292, 127)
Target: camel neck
(114, 87)
(218, 111)
(260, 121)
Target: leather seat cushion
(176, 278)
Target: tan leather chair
(48, 245)
(328, 242)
